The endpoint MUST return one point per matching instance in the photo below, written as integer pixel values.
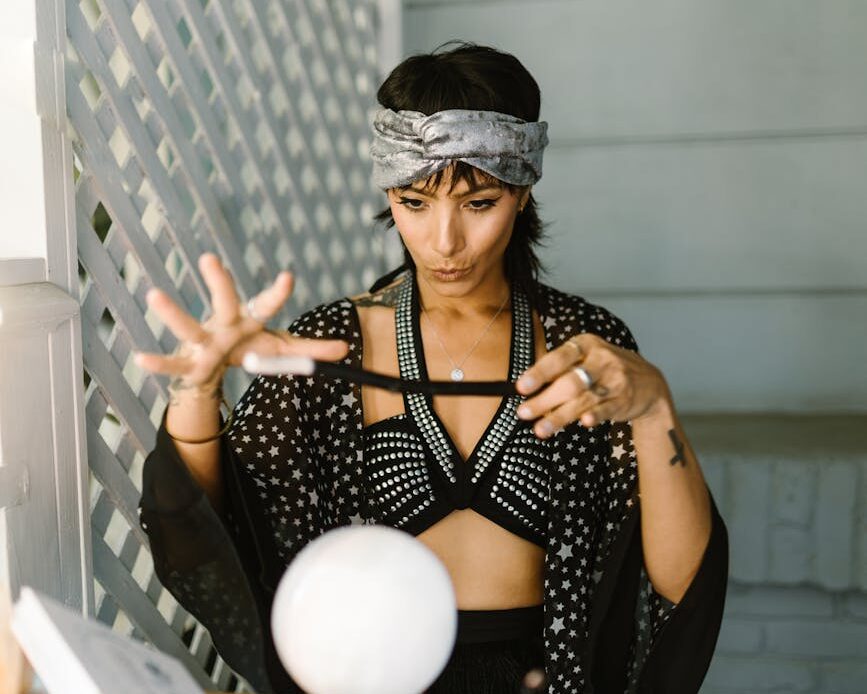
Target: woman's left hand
(624, 386)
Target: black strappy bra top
(414, 472)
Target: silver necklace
(457, 373)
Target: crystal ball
(365, 609)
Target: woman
(530, 500)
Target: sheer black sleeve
(207, 562)
(224, 569)
(679, 653)
(607, 631)
(644, 642)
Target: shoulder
(384, 297)
(331, 320)
(564, 315)
(376, 311)
(341, 319)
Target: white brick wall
(792, 492)
(791, 639)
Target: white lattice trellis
(233, 126)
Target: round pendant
(457, 375)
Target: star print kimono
(293, 469)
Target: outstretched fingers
(224, 297)
(169, 364)
(268, 302)
(182, 324)
(327, 350)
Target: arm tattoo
(679, 449)
(387, 296)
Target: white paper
(72, 654)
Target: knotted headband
(409, 145)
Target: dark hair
(476, 77)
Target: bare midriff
(490, 567)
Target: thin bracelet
(215, 436)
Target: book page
(70, 653)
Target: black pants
(493, 651)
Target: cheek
(408, 230)
(495, 231)
(396, 213)
(404, 219)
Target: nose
(448, 238)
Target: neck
(482, 301)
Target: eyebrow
(470, 191)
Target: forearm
(675, 506)
(195, 415)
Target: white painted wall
(44, 509)
(705, 181)
(21, 190)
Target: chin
(452, 289)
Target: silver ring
(252, 311)
(585, 377)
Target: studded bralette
(416, 474)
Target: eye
(482, 205)
(411, 203)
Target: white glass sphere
(365, 610)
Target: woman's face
(456, 238)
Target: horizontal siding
(704, 180)
(679, 67)
(764, 214)
(753, 352)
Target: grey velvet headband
(408, 145)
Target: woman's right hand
(208, 349)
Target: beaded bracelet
(215, 436)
